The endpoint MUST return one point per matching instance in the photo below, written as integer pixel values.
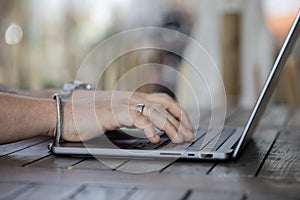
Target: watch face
(69, 86)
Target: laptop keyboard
(211, 141)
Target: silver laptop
(219, 145)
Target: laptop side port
(206, 155)
(170, 154)
(191, 154)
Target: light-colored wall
(256, 52)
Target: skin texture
(25, 114)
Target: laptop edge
(269, 85)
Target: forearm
(23, 117)
(46, 94)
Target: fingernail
(155, 138)
(178, 138)
(188, 135)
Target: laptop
(221, 144)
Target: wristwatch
(69, 87)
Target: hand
(88, 114)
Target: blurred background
(44, 42)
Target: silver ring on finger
(140, 107)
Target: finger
(173, 108)
(160, 120)
(185, 131)
(185, 128)
(180, 114)
(187, 134)
(181, 129)
(126, 116)
(144, 124)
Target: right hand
(85, 118)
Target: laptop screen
(285, 54)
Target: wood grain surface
(268, 168)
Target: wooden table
(269, 168)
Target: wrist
(49, 108)
(65, 94)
